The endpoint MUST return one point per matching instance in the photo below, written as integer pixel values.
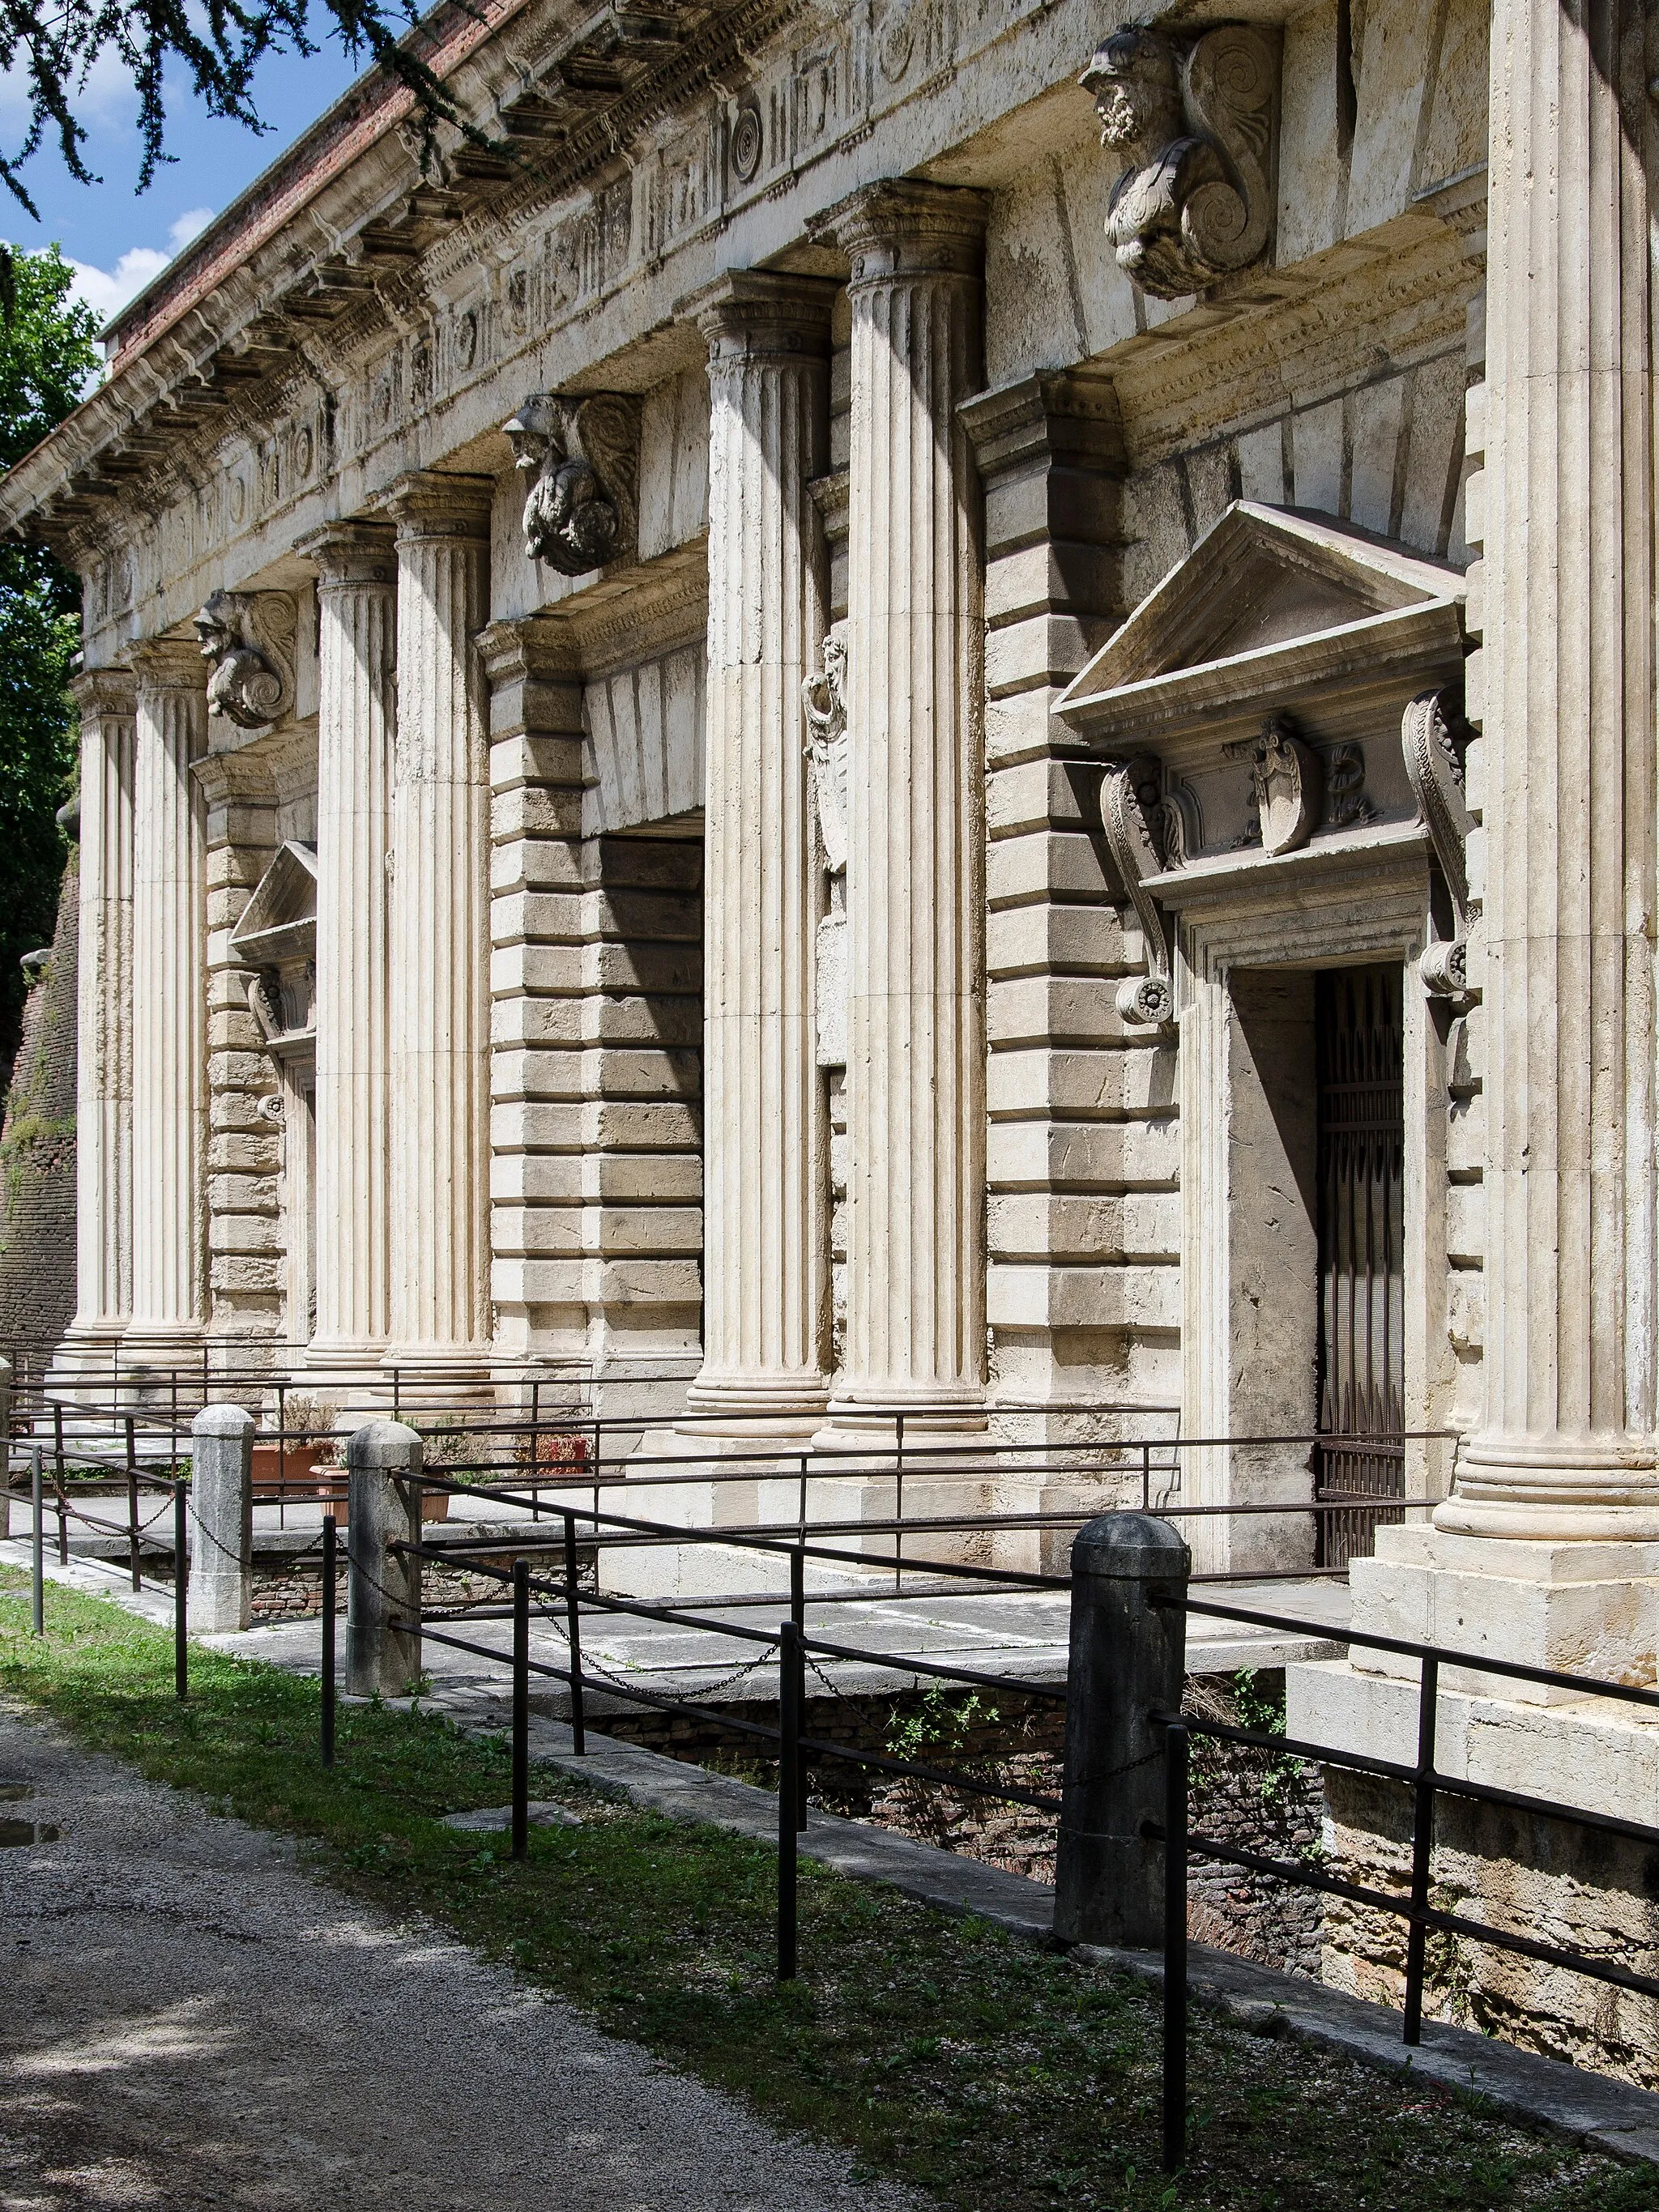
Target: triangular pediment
(284, 899)
(1261, 579)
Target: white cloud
(190, 224)
(107, 291)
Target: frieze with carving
(248, 637)
(581, 457)
(1194, 122)
(1133, 816)
(1435, 738)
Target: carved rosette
(1193, 123)
(248, 640)
(1435, 737)
(1132, 814)
(823, 700)
(581, 460)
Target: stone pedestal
(356, 602)
(220, 1593)
(765, 1163)
(103, 1160)
(169, 1012)
(439, 1026)
(915, 1329)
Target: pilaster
(915, 1328)
(765, 1162)
(1563, 689)
(1083, 1207)
(108, 707)
(357, 566)
(169, 1004)
(439, 1014)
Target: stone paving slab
(190, 2021)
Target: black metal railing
(1427, 1782)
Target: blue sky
(119, 238)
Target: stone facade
(782, 748)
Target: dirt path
(187, 2019)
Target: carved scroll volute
(581, 458)
(1194, 124)
(1131, 815)
(248, 638)
(1434, 739)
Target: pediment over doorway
(275, 940)
(1269, 597)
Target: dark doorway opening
(1360, 1061)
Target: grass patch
(999, 2078)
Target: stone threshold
(1564, 2100)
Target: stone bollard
(221, 1592)
(382, 1586)
(1128, 1661)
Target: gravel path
(188, 2020)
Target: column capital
(426, 504)
(355, 550)
(751, 312)
(533, 646)
(108, 694)
(901, 227)
(168, 664)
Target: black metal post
(898, 1501)
(1422, 1846)
(331, 1598)
(1175, 1946)
(58, 1438)
(181, 1590)
(573, 1629)
(798, 1614)
(63, 1523)
(38, 1608)
(132, 1506)
(788, 1792)
(535, 1451)
(1146, 1478)
(520, 1709)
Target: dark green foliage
(46, 355)
(994, 2076)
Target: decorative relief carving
(1133, 814)
(748, 140)
(824, 697)
(1435, 738)
(1193, 121)
(1346, 801)
(1287, 786)
(582, 458)
(248, 636)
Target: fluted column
(357, 612)
(1566, 779)
(439, 959)
(915, 1058)
(103, 1259)
(765, 1182)
(169, 1004)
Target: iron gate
(1361, 1184)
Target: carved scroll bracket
(1193, 121)
(1133, 815)
(581, 458)
(1435, 737)
(248, 638)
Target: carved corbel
(1435, 737)
(248, 638)
(581, 458)
(264, 998)
(1132, 814)
(1193, 121)
(823, 698)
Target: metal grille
(1362, 1145)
